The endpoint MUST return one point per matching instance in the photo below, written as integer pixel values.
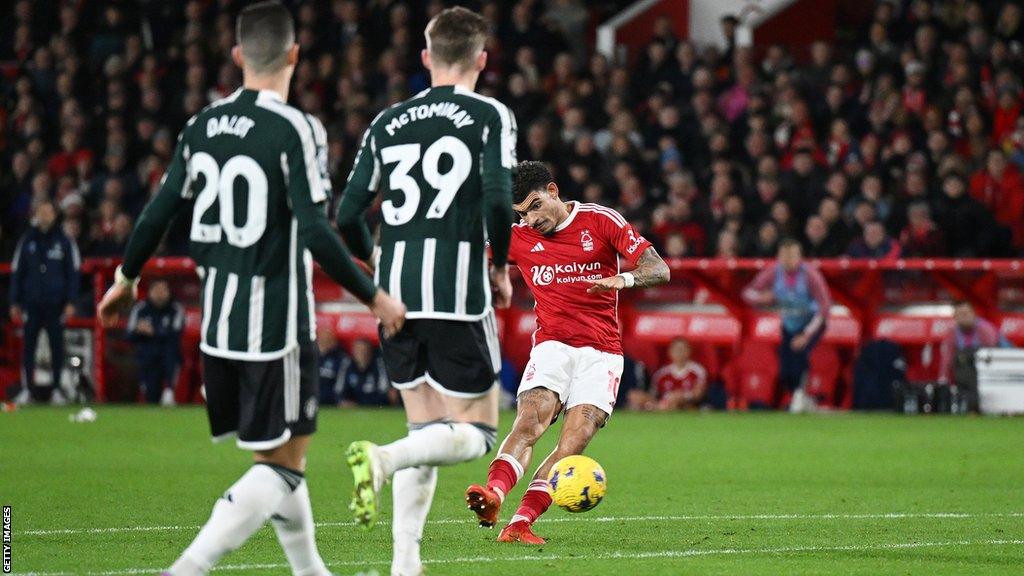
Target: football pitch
(687, 494)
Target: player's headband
(522, 206)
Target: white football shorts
(578, 375)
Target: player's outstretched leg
(581, 424)
(537, 408)
(273, 487)
(430, 442)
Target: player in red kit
(568, 253)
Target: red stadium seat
(520, 325)
(920, 337)
(823, 376)
(751, 377)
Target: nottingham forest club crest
(586, 241)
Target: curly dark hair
(530, 175)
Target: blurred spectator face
(874, 234)
(816, 230)
(937, 142)
(679, 352)
(953, 187)
(727, 244)
(836, 185)
(919, 216)
(44, 216)
(865, 61)
(562, 66)
(803, 163)
(721, 186)
(820, 54)
(41, 184)
(20, 165)
(579, 172)
(829, 210)
(768, 166)
(517, 85)
(996, 163)
(768, 234)
(159, 293)
(72, 228)
(593, 193)
(675, 245)
(871, 188)
(69, 141)
(122, 227)
(537, 136)
(686, 55)
(840, 130)
(632, 193)
(781, 213)
(362, 353)
(964, 316)
(790, 256)
(734, 207)
(325, 339)
(863, 213)
(113, 190)
(584, 145)
(916, 185)
(757, 145)
(767, 189)
(114, 162)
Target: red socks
(535, 502)
(503, 474)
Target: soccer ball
(577, 483)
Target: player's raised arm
(175, 190)
(651, 269)
(357, 197)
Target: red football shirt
(672, 378)
(586, 246)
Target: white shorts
(577, 375)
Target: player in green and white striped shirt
(252, 171)
(442, 162)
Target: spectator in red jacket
(1000, 188)
(921, 237)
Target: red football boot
(520, 531)
(485, 502)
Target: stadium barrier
(906, 301)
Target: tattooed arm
(650, 270)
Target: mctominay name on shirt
(448, 110)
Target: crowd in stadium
(907, 142)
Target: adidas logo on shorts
(538, 248)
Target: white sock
(434, 445)
(241, 511)
(413, 491)
(293, 522)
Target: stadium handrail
(855, 284)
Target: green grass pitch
(687, 494)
